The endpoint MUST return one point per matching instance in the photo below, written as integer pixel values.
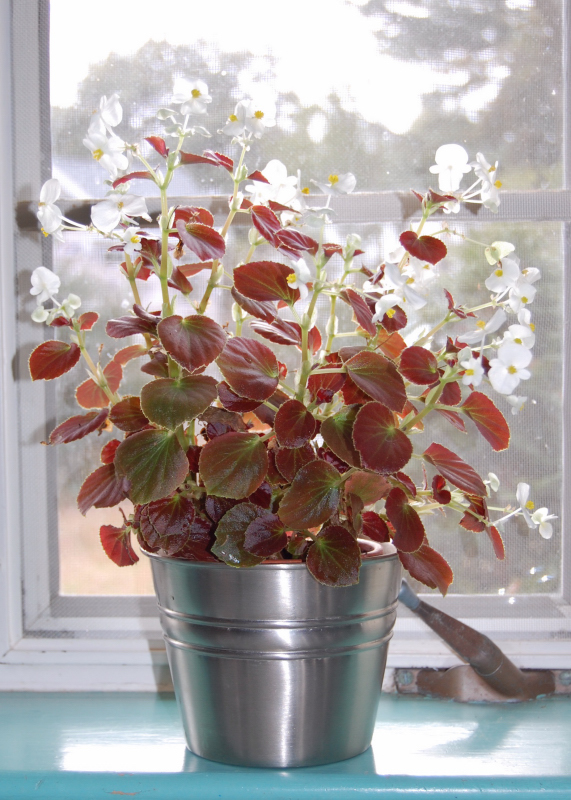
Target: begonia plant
(225, 454)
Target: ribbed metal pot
(270, 668)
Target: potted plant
(297, 476)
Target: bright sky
(320, 45)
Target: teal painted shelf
(84, 746)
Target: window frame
(130, 654)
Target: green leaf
(233, 465)
(312, 497)
(169, 402)
(230, 535)
(334, 558)
(154, 463)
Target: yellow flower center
(233, 118)
(530, 505)
(409, 281)
(480, 324)
(492, 169)
(518, 341)
(45, 232)
(524, 300)
(499, 273)
(291, 278)
(97, 154)
(390, 313)
(469, 372)
(195, 93)
(532, 326)
(512, 370)
(498, 184)
(135, 240)
(259, 114)
(333, 179)
(305, 190)
(426, 266)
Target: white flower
(259, 115)
(484, 171)
(40, 314)
(490, 190)
(484, 328)
(108, 116)
(474, 372)
(451, 165)
(338, 184)
(526, 505)
(48, 213)
(107, 150)
(192, 94)
(69, 306)
(540, 518)
(517, 403)
(521, 294)
(298, 280)
(281, 187)
(530, 274)
(490, 194)
(504, 277)
(520, 334)
(498, 250)
(508, 369)
(107, 214)
(132, 242)
(236, 123)
(45, 284)
(493, 481)
(401, 291)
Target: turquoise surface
(106, 745)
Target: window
(396, 80)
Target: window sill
(91, 745)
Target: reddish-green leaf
(78, 427)
(233, 465)
(312, 497)
(265, 281)
(265, 536)
(117, 545)
(197, 547)
(280, 331)
(87, 321)
(425, 248)
(419, 365)
(220, 421)
(230, 535)
(294, 424)
(154, 463)
(262, 310)
(337, 432)
(334, 558)
(295, 243)
(122, 327)
(362, 314)
(409, 530)
(369, 487)
(290, 460)
(477, 508)
(179, 281)
(454, 469)
(497, 542)
(127, 415)
(169, 402)
(166, 523)
(428, 567)
(108, 451)
(51, 359)
(383, 447)
(266, 223)
(101, 489)
(203, 240)
(379, 378)
(158, 366)
(232, 401)
(129, 353)
(89, 395)
(488, 419)
(193, 342)
(375, 527)
(250, 368)
(322, 388)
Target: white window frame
(38, 655)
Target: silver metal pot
(270, 668)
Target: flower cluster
(260, 464)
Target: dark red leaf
(166, 523)
(362, 314)
(294, 424)
(394, 320)
(216, 507)
(194, 214)
(203, 240)
(409, 530)
(265, 281)
(265, 536)
(488, 419)
(220, 421)
(129, 353)
(266, 223)
(87, 321)
(425, 248)
(337, 433)
(477, 508)
(198, 544)
(127, 415)
(279, 331)
(233, 465)
(497, 542)
(428, 567)
(117, 545)
(178, 281)
(208, 157)
(61, 322)
(232, 401)
(379, 378)
(230, 535)
(452, 417)
(129, 326)
(451, 394)
(89, 395)
(158, 144)
(375, 527)
(407, 482)
(418, 365)
(440, 494)
(263, 310)
(158, 366)
(101, 489)
(131, 177)
(454, 469)
(334, 558)
(193, 342)
(262, 496)
(256, 175)
(368, 486)
(322, 388)
(108, 451)
(312, 497)
(78, 427)
(295, 242)
(290, 460)
(51, 359)
(383, 447)
(250, 368)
